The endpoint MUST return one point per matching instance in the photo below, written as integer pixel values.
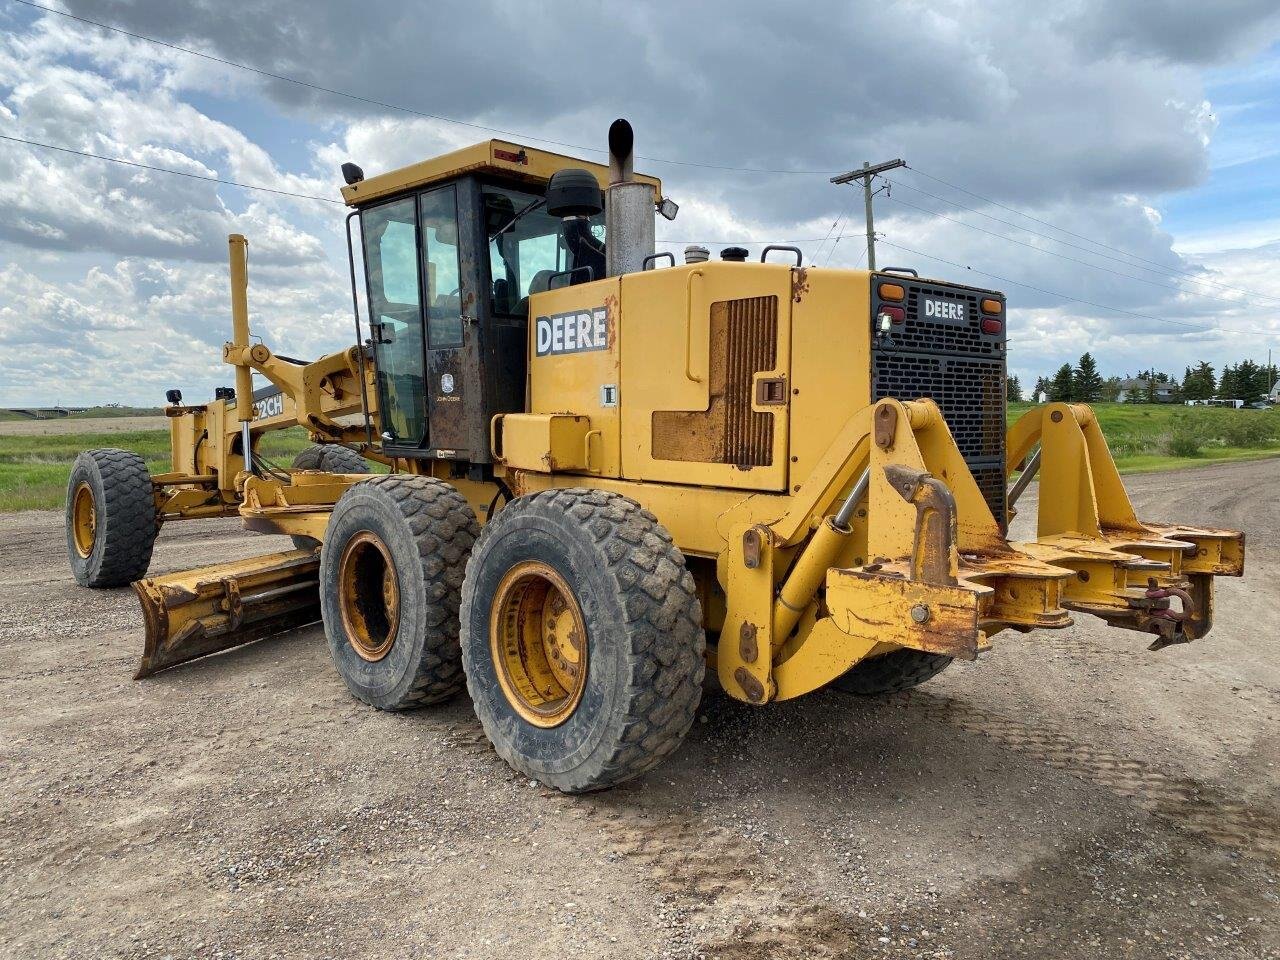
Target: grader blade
(198, 612)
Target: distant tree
(1042, 387)
(1199, 383)
(1152, 380)
(1110, 390)
(1012, 390)
(1229, 385)
(1255, 380)
(1249, 377)
(1269, 377)
(1086, 382)
(1062, 386)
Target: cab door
(444, 287)
(390, 232)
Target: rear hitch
(1168, 624)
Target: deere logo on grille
(944, 310)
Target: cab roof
(510, 160)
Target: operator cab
(452, 249)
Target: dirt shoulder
(87, 425)
(1068, 795)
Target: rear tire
(391, 571)
(334, 458)
(111, 518)
(581, 638)
(892, 672)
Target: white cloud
(1083, 116)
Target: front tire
(332, 457)
(391, 571)
(582, 638)
(111, 518)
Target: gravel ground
(1068, 795)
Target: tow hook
(1165, 622)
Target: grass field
(34, 469)
(1146, 437)
(1143, 437)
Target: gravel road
(1067, 795)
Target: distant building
(1164, 392)
(1274, 395)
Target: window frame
(424, 252)
(402, 443)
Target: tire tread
(128, 524)
(444, 528)
(665, 663)
(892, 672)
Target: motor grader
(610, 473)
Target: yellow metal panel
(510, 160)
(825, 653)
(666, 318)
(546, 441)
(744, 655)
(830, 360)
(923, 616)
(569, 369)
(694, 516)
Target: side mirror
(574, 192)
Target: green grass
(34, 469)
(1147, 437)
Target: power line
(740, 243)
(1018, 283)
(1063, 256)
(1161, 269)
(176, 173)
(1052, 293)
(371, 101)
(830, 230)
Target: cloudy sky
(1112, 165)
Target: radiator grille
(970, 393)
(930, 336)
(958, 367)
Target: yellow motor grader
(610, 472)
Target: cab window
(438, 212)
(391, 262)
(524, 255)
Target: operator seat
(540, 283)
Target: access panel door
(705, 361)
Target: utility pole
(866, 175)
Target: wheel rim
(368, 596)
(539, 644)
(84, 519)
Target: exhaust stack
(628, 205)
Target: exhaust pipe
(628, 206)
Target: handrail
(586, 447)
(688, 319)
